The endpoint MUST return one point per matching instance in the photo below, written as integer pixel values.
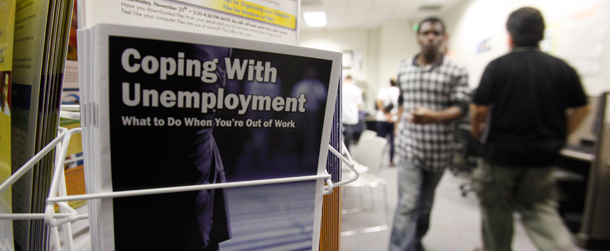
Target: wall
(356, 41)
(381, 51)
(476, 21)
(470, 23)
(397, 43)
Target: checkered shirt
(436, 86)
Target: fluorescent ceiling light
(315, 18)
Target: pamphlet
(7, 27)
(170, 109)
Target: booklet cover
(28, 60)
(7, 24)
(40, 36)
(181, 109)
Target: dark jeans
(385, 129)
(349, 132)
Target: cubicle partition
(585, 190)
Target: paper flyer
(28, 58)
(261, 20)
(181, 109)
(40, 36)
(7, 26)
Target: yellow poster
(7, 24)
(251, 10)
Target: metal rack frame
(58, 192)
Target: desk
(571, 153)
(587, 203)
(572, 176)
(585, 206)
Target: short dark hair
(432, 20)
(526, 26)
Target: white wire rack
(67, 215)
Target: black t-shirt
(528, 92)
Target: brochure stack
(40, 45)
(196, 120)
(7, 26)
(167, 109)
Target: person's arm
(423, 115)
(459, 103)
(576, 116)
(478, 115)
(387, 114)
(400, 110)
(379, 104)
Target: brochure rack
(58, 192)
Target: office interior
(576, 31)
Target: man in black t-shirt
(519, 113)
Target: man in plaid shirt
(434, 92)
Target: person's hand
(423, 115)
(389, 118)
(477, 131)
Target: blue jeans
(349, 132)
(416, 188)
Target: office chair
(368, 160)
(367, 134)
(466, 156)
